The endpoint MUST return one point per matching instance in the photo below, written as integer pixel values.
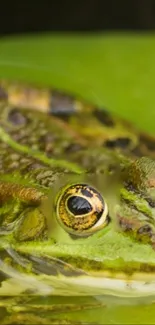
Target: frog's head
(100, 233)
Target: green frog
(77, 206)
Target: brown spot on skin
(129, 186)
(3, 94)
(141, 174)
(34, 166)
(150, 202)
(145, 230)
(145, 147)
(142, 232)
(122, 143)
(125, 224)
(61, 104)
(16, 117)
(137, 151)
(147, 141)
(8, 191)
(104, 117)
(47, 143)
(48, 138)
(151, 182)
(73, 147)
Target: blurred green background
(116, 71)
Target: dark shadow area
(81, 15)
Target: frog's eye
(81, 210)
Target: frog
(77, 205)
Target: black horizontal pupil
(78, 205)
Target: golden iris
(81, 210)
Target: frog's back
(40, 125)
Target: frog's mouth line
(21, 284)
(38, 276)
(108, 286)
(139, 285)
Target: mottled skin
(48, 141)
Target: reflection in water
(71, 310)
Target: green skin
(37, 253)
